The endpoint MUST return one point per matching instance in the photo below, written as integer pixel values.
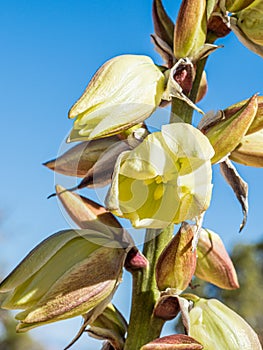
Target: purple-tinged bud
(224, 133)
(213, 262)
(190, 28)
(250, 150)
(174, 342)
(135, 260)
(176, 264)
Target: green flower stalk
(125, 91)
(216, 326)
(69, 274)
(166, 179)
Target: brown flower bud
(213, 263)
(176, 264)
(250, 150)
(78, 160)
(167, 307)
(135, 260)
(237, 5)
(88, 214)
(225, 133)
(190, 28)
(173, 342)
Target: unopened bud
(218, 327)
(237, 5)
(167, 307)
(224, 133)
(213, 262)
(69, 274)
(135, 260)
(125, 91)
(257, 123)
(173, 342)
(163, 25)
(250, 21)
(88, 214)
(78, 160)
(110, 326)
(250, 150)
(176, 264)
(190, 28)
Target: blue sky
(49, 51)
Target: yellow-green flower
(124, 91)
(247, 24)
(69, 274)
(218, 327)
(250, 150)
(166, 179)
(250, 21)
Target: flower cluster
(156, 180)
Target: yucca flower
(125, 91)
(71, 273)
(166, 179)
(216, 326)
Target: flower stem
(143, 325)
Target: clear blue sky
(49, 51)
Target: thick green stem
(143, 326)
(180, 109)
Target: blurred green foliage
(10, 340)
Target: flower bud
(237, 5)
(190, 28)
(218, 26)
(218, 327)
(179, 82)
(124, 91)
(71, 273)
(167, 307)
(110, 325)
(88, 214)
(176, 264)
(173, 342)
(250, 21)
(245, 33)
(135, 260)
(250, 150)
(257, 123)
(213, 262)
(78, 160)
(163, 25)
(225, 133)
(166, 179)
